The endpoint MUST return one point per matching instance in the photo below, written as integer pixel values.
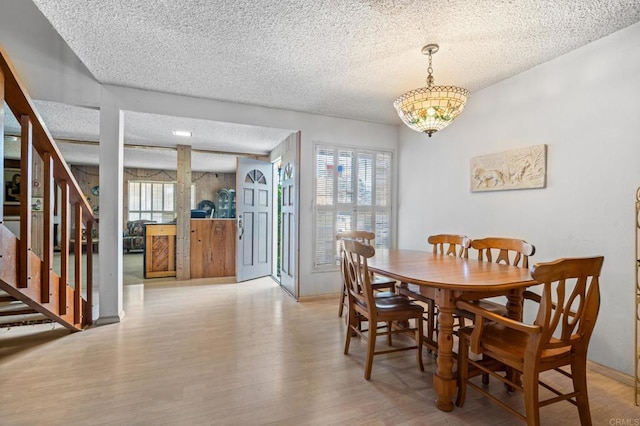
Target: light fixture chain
(430, 71)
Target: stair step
(14, 313)
(18, 311)
(15, 307)
(19, 320)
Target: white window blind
(352, 192)
(324, 177)
(154, 200)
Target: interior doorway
(288, 213)
(282, 231)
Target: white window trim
(175, 200)
(337, 208)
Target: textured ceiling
(338, 58)
(143, 131)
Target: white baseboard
(611, 373)
(114, 319)
(325, 296)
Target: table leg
(514, 304)
(515, 300)
(444, 381)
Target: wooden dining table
(447, 279)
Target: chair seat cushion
(397, 303)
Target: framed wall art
(37, 204)
(12, 187)
(516, 169)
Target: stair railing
(61, 193)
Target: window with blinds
(352, 192)
(154, 200)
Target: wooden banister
(20, 103)
(38, 144)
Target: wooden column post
(183, 234)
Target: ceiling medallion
(431, 108)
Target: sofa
(133, 238)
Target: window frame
(151, 212)
(335, 208)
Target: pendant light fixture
(431, 108)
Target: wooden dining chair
(445, 244)
(450, 244)
(508, 251)
(567, 311)
(395, 312)
(379, 283)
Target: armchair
(133, 238)
(559, 337)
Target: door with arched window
(253, 211)
(288, 244)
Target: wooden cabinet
(213, 248)
(159, 250)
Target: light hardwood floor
(132, 267)
(237, 354)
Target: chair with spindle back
(364, 306)
(508, 251)
(450, 244)
(559, 337)
(445, 244)
(379, 283)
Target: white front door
(253, 212)
(289, 215)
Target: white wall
(585, 106)
(51, 71)
(314, 128)
(41, 57)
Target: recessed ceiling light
(182, 133)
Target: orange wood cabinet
(160, 250)
(213, 248)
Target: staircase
(14, 313)
(30, 290)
